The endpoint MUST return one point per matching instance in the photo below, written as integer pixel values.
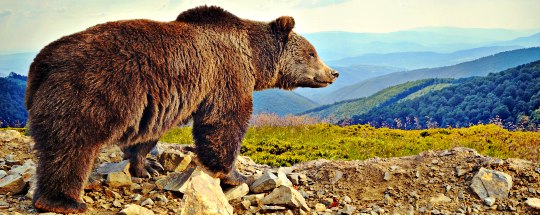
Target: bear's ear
(282, 25)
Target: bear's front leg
(218, 130)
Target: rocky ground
(457, 181)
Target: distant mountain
(528, 41)
(18, 63)
(337, 45)
(510, 97)
(341, 111)
(418, 60)
(281, 102)
(347, 75)
(479, 67)
(12, 110)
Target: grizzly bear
(128, 82)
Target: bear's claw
(150, 168)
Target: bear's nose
(334, 73)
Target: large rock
(533, 202)
(204, 196)
(133, 209)
(27, 170)
(282, 175)
(117, 174)
(490, 183)
(176, 181)
(237, 191)
(286, 196)
(174, 161)
(268, 181)
(12, 184)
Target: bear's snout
(334, 73)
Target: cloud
(5, 12)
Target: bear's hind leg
(139, 165)
(62, 170)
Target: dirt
(433, 182)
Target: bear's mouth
(323, 81)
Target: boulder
(132, 209)
(237, 191)
(176, 181)
(203, 195)
(533, 203)
(490, 183)
(268, 181)
(282, 175)
(12, 184)
(286, 196)
(174, 161)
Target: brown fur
(128, 82)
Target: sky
(28, 25)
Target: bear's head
(298, 64)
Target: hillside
(281, 102)
(418, 60)
(347, 75)
(12, 110)
(479, 67)
(511, 98)
(344, 110)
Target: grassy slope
(281, 102)
(289, 145)
(346, 109)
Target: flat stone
(347, 209)
(176, 181)
(13, 184)
(282, 175)
(533, 203)
(107, 168)
(490, 183)
(337, 176)
(440, 198)
(271, 208)
(268, 181)
(147, 201)
(133, 209)
(237, 191)
(286, 196)
(118, 179)
(2, 173)
(320, 207)
(387, 176)
(489, 201)
(203, 195)
(174, 161)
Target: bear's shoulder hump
(207, 14)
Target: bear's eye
(312, 54)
